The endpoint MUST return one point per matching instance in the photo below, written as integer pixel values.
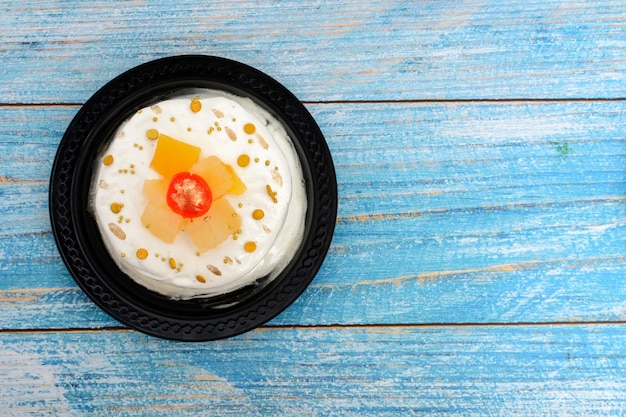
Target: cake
(199, 195)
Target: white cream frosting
(273, 162)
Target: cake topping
(116, 207)
(243, 160)
(195, 105)
(199, 196)
(189, 195)
(271, 193)
(152, 134)
(250, 247)
(249, 128)
(258, 214)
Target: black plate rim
(124, 95)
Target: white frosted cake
(200, 195)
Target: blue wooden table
(478, 265)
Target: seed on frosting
(262, 141)
(200, 278)
(108, 160)
(117, 231)
(172, 263)
(277, 177)
(215, 270)
(231, 134)
(142, 253)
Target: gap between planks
(391, 101)
(369, 327)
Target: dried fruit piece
(238, 186)
(172, 156)
(161, 221)
(220, 177)
(209, 231)
(155, 190)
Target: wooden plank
(449, 212)
(395, 50)
(373, 371)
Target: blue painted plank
(487, 212)
(394, 50)
(373, 371)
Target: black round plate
(83, 250)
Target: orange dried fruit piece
(209, 231)
(220, 177)
(173, 156)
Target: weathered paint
(550, 370)
(481, 159)
(326, 50)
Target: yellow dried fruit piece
(238, 186)
(209, 231)
(161, 221)
(155, 190)
(173, 156)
